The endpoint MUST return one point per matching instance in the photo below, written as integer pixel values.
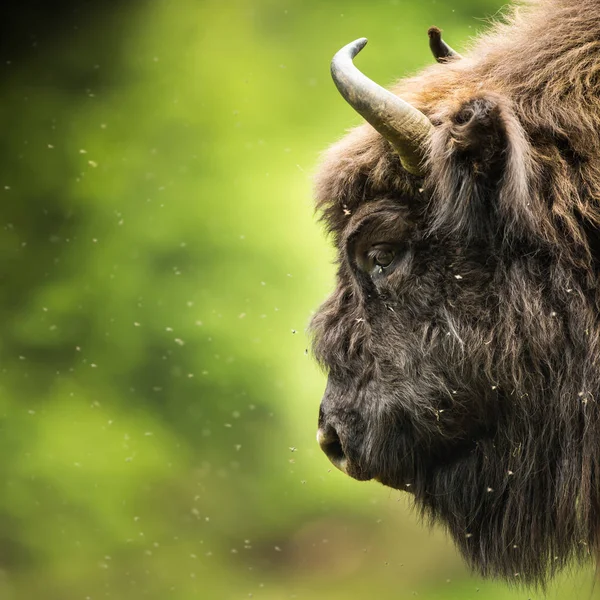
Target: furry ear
(480, 167)
(478, 135)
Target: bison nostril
(330, 444)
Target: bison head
(462, 341)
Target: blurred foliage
(160, 260)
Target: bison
(462, 341)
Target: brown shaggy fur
(469, 370)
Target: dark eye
(382, 255)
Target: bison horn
(440, 50)
(405, 127)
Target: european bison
(462, 341)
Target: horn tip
(356, 46)
(351, 50)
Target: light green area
(160, 262)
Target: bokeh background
(159, 263)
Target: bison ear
(478, 136)
(479, 165)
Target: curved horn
(405, 127)
(440, 50)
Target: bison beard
(462, 341)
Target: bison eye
(382, 255)
(373, 259)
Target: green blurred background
(160, 260)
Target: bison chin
(522, 525)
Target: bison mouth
(397, 468)
(332, 446)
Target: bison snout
(330, 443)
